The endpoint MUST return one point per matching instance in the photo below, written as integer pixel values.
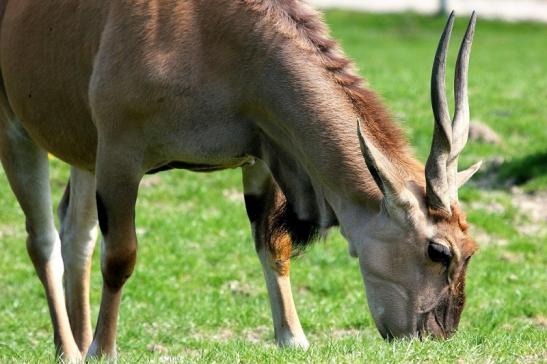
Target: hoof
(68, 354)
(70, 357)
(96, 352)
(295, 342)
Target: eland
(119, 89)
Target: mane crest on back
(305, 26)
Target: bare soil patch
(533, 212)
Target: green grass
(195, 239)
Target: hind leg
(263, 199)
(78, 216)
(118, 174)
(26, 167)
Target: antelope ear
(465, 175)
(379, 166)
(400, 202)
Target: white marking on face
(430, 231)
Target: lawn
(198, 294)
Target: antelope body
(118, 89)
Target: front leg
(117, 178)
(287, 328)
(264, 200)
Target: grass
(198, 290)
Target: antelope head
(418, 247)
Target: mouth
(419, 333)
(438, 320)
(439, 323)
(385, 332)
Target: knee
(41, 243)
(117, 266)
(44, 250)
(119, 251)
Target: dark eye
(439, 253)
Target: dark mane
(303, 233)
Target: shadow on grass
(515, 172)
(524, 169)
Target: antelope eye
(439, 253)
